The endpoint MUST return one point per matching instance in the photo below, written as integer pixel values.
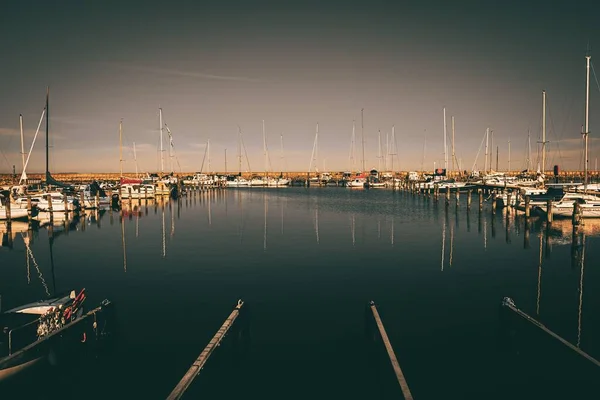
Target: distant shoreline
(113, 176)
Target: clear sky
(212, 66)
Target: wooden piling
(549, 211)
(480, 192)
(508, 199)
(494, 202)
(510, 305)
(457, 196)
(469, 192)
(576, 214)
(447, 197)
(29, 208)
(197, 366)
(527, 208)
(66, 202)
(388, 346)
(49, 200)
(8, 212)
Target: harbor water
(306, 262)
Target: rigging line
(37, 267)
(595, 77)
(553, 130)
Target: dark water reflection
(306, 262)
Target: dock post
(388, 346)
(8, 213)
(480, 192)
(457, 196)
(509, 199)
(576, 214)
(527, 208)
(49, 200)
(447, 197)
(494, 202)
(29, 208)
(469, 199)
(549, 211)
(66, 202)
(197, 366)
(97, 200)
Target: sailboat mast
(487, 137)
(543, 131)
(528, 151)
(508, 155)
(208, 153)
(352, 148)
(22, 144)
(47, 131)
(362, 129)
(121, 147)
(240, 149)
(265, 147)
(392, 158)
(379, 152)
(135, 160)
(587, 115)
(225, 161)
(162, 154)
(445, 146)
(281, 158)
(453, 153)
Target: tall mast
(509, 155)
(47, 129)
(491, 147)
(587, 127)
(225, 161)
(121, 147)
(528, 151)
(22, 144)
(487, 137)
(497, 150)
(379, 152)
(265, 146)
(453, 153)
(543, 131)
(240, 149)
(162, 154)
(393, 142)
(445, 146)
(362, 129)
(208, 154)
(352, 148)
(135, 160)
(281, 159)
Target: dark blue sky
(213, 66)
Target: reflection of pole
(582, 264)
(123, 242)
(443, 243)
(539, 283)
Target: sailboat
(238, 181)
(589, 204)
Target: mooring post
(8, 213)
(576, 214)
(29, 208)
(508, 199)
(527, 208)
(197, 366)
(388, 346)
(510, 305)
(447, 196)
(549, 211)
(494, 202)
(469, 192)
(457, 196)
(480, 192)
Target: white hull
(15, 213)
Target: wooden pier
(197, 366)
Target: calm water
(306, 262)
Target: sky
(216, 68)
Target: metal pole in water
(197, 366)
(388, 346)
(510, 304)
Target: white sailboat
(588, 204)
